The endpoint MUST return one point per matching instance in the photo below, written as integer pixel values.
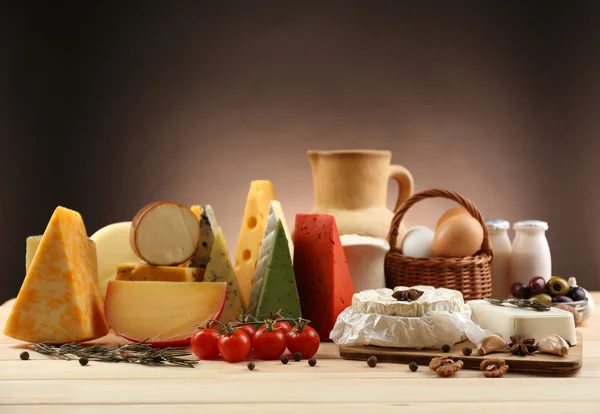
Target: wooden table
(42, 385)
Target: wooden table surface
(42, 385)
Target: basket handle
(434, 193)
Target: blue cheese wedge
(509, 320)
(381, 301)
(208, 230)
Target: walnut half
(445, 366)
(493, 367)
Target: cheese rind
(275, 281)
(508, 321)
(59, 300)
(146, 272)
(253, 226)
(219, 269)
(208, 230)
(164, 233)
(381, 301)
(112, 246)
(322, 275)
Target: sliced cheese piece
(164, 233)
(253, 227)
(219, 269)
(146, 272)
(322, 275)
(59, 300)
(112, 245)
(165, 313)
(508, 321)
(33, 242)
(274, 286)
(197, 210)
(276, 209)
(208, 230)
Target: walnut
(577, 317)
(493, 367)
(445, 366)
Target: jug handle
(406, 184)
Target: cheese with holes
(509, 320)
(59, 300)
(322, 275)
(33, 242)
(219, 269)
(381, 301)
(146, 272)
(112, 246)
(208, 230)
(274, 287)
(253, 226)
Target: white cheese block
(365, 257)
(507, 321)
(381, 301)
(113, 248)
(266, 248)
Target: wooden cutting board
(539, 363)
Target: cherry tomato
(249, 329)
(282, 326)
(306, 341)
(235, 347)
(269, 344)
(204, 343)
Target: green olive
(544, 298)
(557, 286)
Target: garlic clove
(492, 343)
(554, 345)
(572, 282)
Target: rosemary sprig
(521, 303)
(135, 353)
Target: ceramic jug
(351, 185)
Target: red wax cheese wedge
(164, 233)
(165, 313)
(322, 275)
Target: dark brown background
(104, 108)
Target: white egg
(417, 242)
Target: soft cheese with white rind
(507, 321)
(266, 250)
(208, 230)
(165, 313)
(365, 257)
(164, 233)
(113, 248)
(381, 301)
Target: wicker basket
(470, 275)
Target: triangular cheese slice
(59, 300)
(219, 269)
(208, 230)
(253, 226)
(322, 275)
(275, 280)
(276, 209)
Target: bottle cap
(530, 224)
(497, 224)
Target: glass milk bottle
(530, 252)
(502, 248)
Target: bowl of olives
(553, 292)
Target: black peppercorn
(467, 350)
(251, 365)
(312, 362)
(83, 361)
(24, 355)
(297, 356)
(446, 348)
(413, 366)
(372, 361)
(284, 360)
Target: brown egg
(451, 213)
(457, 236)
